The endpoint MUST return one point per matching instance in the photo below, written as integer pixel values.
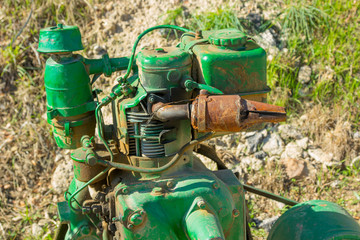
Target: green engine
(138, 178)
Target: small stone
(304, 75)
(292, 150)
(267, 224)
(36, 230)
(249, 134)
(260, 155)
(355, 163)
(288, 131)
(273, 144)
(251, 163)
(62, 176)
(335, 184)
(229, 140)
(327, 159)
(99, 50)
(240, 149)
(303, 143)
(109, 6)
(253, 143)
(295, 168)
(357, 135)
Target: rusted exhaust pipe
(221, 113)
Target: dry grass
(28, 151)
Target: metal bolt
(151, 99)
(216, 186)
(170, 184)
(136, 219)
(201, 204)
(235, 213)
(124, 190)
(130, 226)
(142, 212)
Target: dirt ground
(29, 155)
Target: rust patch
(231, 113)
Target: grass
(321, 34)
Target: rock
(249, 134)
(229, 140)
(335, 184)
(109, 6)
(99, 50)
(303, 143)
(292, 150)
(260, 155)
(304, 75)
(267, 224)
(355, 163)
(357, 135)
(295, 168)
(327, 159)
(273, 144)
(36, 230)
(253, 142)
(251, 163)
(288, 131)
(62, 176)
(266, 40)
(240, 149)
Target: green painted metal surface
(67, 85)
(163, 68)
(239, 70)
(228, 38)
(175, 212)
(315, 220)
(60, 39)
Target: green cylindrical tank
(70, 101)
(315, 220)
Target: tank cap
(59, 39)
(228, 38)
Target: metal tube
(164, 112)
(270, 195)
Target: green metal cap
(228, 38)
(60, 39)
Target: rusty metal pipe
(220, 113)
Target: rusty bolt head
(125, 191)
(142, 212)
(130, 226)
(201, 204)
(235, 213)
(215, 185)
